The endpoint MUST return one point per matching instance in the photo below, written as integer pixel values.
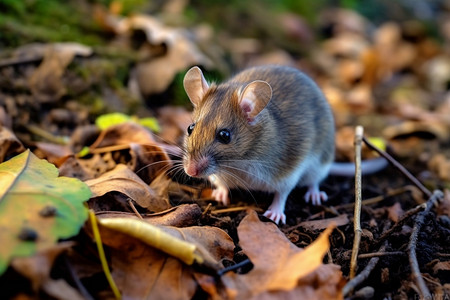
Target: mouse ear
(195, 85)
(254, 98)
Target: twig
(363, 275)
(234, 267)
(400, 222)
(377, 199)
(130, 203)
(378, 254)
(359, 131)
(424, 292)
(399, 167)
(207, 209)
(233, 209)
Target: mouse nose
(196, 168)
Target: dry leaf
(142, 272)
(441, 166)
(395, 212)
(9, 144)
(149, 161)
(178, 216)
(123, 134)
(122, 179)
(280, 268)
(37, 267)
(322, 224)
(45, 83)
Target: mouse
(267, 128)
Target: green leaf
(150, 123)
(37, 207)
(108, 120)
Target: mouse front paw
(220, 194)
(276, 216)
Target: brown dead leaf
(142, 272)
(37, 268)
(85, 169)
(441, 166)
(45, 83)
(62, 290)
(395, 212)
(178, 216)
(180, 52)
(322, 224)
(123, 134)
(52, 152)
(122, 179)
(174, 121)
(280, 268)
(441, 266)
(9, 144)
(148, 161)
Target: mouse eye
(190, 128)
(224, 136)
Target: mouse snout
(196, 168)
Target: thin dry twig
(378, 254)
(363, 275)
(359, 131)
(399, 167)
(130, 203)
(434, 199)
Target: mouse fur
(281, 134)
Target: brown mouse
(268, 128)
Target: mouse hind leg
(312, 180)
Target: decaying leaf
(322, 224)
(123, 134)
(37, 267)
(45, 82)
(142, 272)
(51, 207)
(122, 179)
(281, 270)
(9, 143)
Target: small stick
(130, 203)
(423, 289)
(207, 209)
(378, 254)
(399, 167)
(359, 131)
(363, 275)
(400, 222)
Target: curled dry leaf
(85, 169)
(123, 134)
(180, 52)
(122, 179)
(142, 272)
(281, 270)
(178, 216)
(45, 83)
(395, 212)
(174, 121)
(10, 145)
(149, 161)
(37, 267)
(322, 224)
(441, 166)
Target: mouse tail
(369, 166)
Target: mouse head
(225, 117)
